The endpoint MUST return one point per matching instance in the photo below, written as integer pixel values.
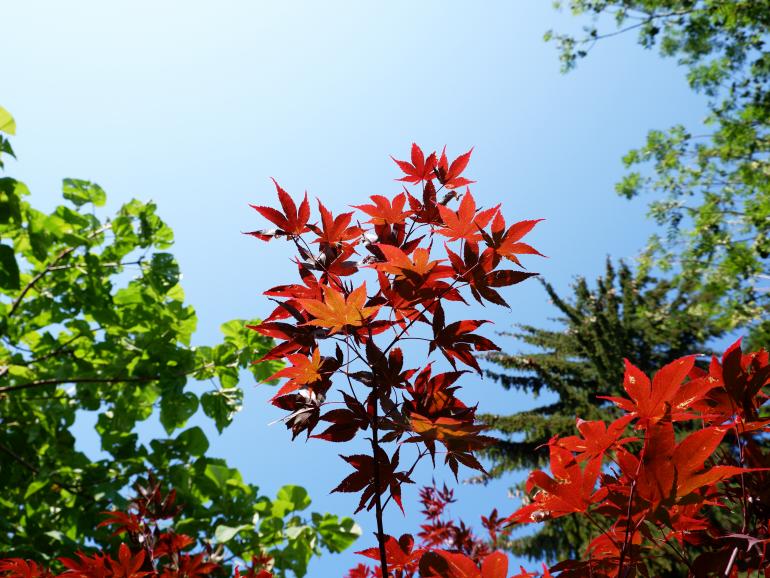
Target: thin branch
(42, 382)
(377, 497)
(55, 352)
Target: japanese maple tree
(692, 442)
(368, 282)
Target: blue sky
(196, 104)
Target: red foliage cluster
(442, 542)
(149, 547)
(396, 243)
(701, 450)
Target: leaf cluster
(647, 480)
(94, 322)
(149, 546)
(334, 327)
(622, 314)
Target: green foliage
(7, 126)
(93, 319)
(637, 317)
(711, 188)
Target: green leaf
(290, 499)
(176, 410)
(7, 124)
(224, 534)
(194, 441)
(163, 272)
(82, 192)
(222, 405)
(9, 269)
(224, 479)
(39, 238)
(234, 330)
(297, 495)
(35, 487)
(337, 535)
(293, 532)
(10, 209)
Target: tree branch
(41, 382)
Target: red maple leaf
(363, 478)
(386, 212)
(570, 490)
(194, 565)
(465, 223)
(650, 401)
(671, 471)
(460, 436)
(333, 229)
(419, 268)
(596, 438)
(302, 371)
(125, 522)
(507, 243)
(127, 565)
(171, 543)
(434, 395)
(478, 271)
(345, 422)
(419, 169)
(426, 211)
(457, 341)
(305, 410)
(449, 175)
(86, 566)
(291, 222)
(360, 571)
(737, 393)
(443, 564)
(400, 554)
(19, 568)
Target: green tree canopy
(93, 319)
(711, 186)
(624, 315)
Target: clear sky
(196, 104)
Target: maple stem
(742, 462)
(377, 495)
(628, 537)
(731, 562)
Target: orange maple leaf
(337, 311)
(401, 265)
(303, 370)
